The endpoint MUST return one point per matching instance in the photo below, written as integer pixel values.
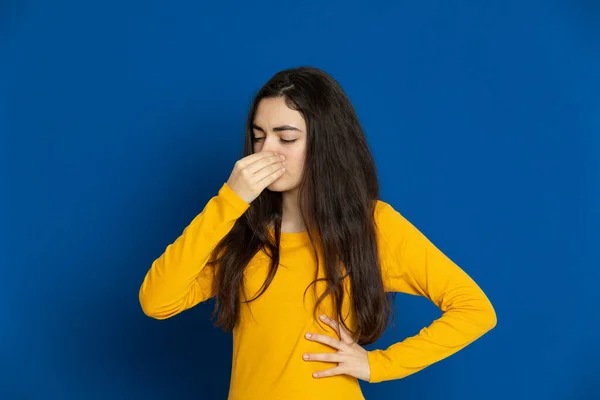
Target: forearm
(180, 278)
(453, 331)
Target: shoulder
(382, 206)
(386, 216)
(392, 227)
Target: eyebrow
(278, 128)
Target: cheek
(295, 161)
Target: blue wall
(120, 120)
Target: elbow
(150, 307)
(150, 311)
(489, 318)
(492, 320)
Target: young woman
(301, 255)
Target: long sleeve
(412, 264)
(180, 278)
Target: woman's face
(282, 130)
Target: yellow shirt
(269, 342)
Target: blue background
(120, 120)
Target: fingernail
(282, 156)
(323, 317)
(305, 356)
(308, 335)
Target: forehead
(274, 111)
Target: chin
(280, 186)
(277, 187)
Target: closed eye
(281, 140)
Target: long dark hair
(337, 197)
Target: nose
(270, 144)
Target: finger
(329, 372)
(328, 340)
(326, 357)
(252, 158)
(339, 328)
(265, 163)
(269, 174)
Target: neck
(291, 220)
